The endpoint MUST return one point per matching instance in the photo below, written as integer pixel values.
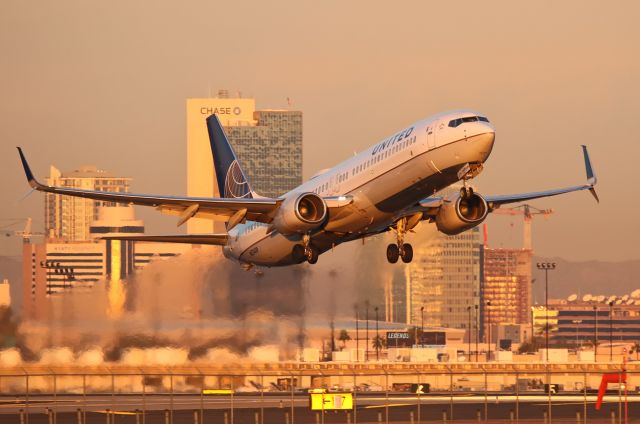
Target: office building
(69, 218)
(268, 144)
(580, 323)
(54, 267)
(395, 295)
(443, 281)
(506, 286)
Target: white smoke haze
(201, 308)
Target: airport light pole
(611, 331)
(595, 340)
(377, 337)
(546, 266)
(477, 329)
(355, 308)
(366, 317)
(469, 331)
(489, 332)
(421, 323)
(577, 322)
(533, 335)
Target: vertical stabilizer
(232, 181)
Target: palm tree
(378, 342)
(635, 348)
(344, 337)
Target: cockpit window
(455, 122)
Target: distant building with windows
(580, 323)
(55, 267)
(506, 286)
(69, 218)
(443, 280)
(268, 144)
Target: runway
(280, 408)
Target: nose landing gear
(400, 249)
(466, 192)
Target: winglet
(592, 180)
(32, 181)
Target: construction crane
(528, 211)
(26, 233)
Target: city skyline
(573, 86)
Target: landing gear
(466, 192)
(298, 254)
(305, 251)
(407, 253)
(400, 249)
(393, 253)
(312, 255)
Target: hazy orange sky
(105, 83)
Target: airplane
(391, 186)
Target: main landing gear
(305, 251)
(400, 249)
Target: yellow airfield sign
(330, 401)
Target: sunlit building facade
(55, 267)
(443, 281)
(69, 218)
(268, 144)
(506, 286)
(582, 323)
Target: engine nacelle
(461, 214)
(301, 213)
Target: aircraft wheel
(466, 192)
(297, 253)
(312, 256)
(393, 253)
(407, 253)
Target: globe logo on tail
(235, 184)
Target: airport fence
(319, 393)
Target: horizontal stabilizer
(214, 239)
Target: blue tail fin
(232, 181)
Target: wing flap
(212, 239)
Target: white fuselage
(383, 181)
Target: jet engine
(300, 213)
(462, 213)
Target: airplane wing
(429, 206)
(496, 201)
(222, 209)
(214, 239)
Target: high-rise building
(69, 218)
(507, 286)
(54, 267)
(268, 144)
(443, 281)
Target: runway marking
(115, 412)
(384, 406)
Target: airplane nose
(484, 143)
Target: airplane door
(431, 135)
